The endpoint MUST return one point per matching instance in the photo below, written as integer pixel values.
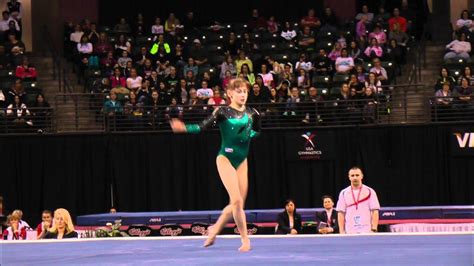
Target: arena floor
(379, 249)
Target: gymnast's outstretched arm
(179, 127)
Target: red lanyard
(358, 196)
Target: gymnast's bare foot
(211, 237)
(245, 246)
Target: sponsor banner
(309, 145)
(252, 229)
(461, 141)
(199, 229)
(139, 230)
(171, 230)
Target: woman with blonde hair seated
(62, 226)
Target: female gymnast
(238, 125)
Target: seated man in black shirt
(327, 219)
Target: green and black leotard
(237, 129)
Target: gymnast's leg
(230, 179)
(226, 214)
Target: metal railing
(451, 108)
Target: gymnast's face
(355, 176)
(239, 95)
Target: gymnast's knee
(237, 203)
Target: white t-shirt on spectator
(464, 23)
(267, 79)
(307, 66)
(134, 82)
(85, 48)
(76, 36)
(288, 35)
(205, 92)
(344, 63)
(4, 24)
(157, 29)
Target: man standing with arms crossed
(358, 206)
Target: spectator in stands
(140, 58)
(160, 42)
(444, 76)
(292, 102)
(133, 108)
(344, 63)
(190, 79)
(172, 24)
(263, 88)
(256, 96)
(5, 25)
(336, 52)
(312, 107)
(256, 22)
(93, 34)
(41, 113)
(409, 14)
(45, 225)
(288, 74)
(379, 71)
(124, 59)
(14, 231)
(231, 45)
(288, 33)
(144, 93)
(4, 60)
(369, 105)
(19, 114)
(402, 22)
(401, 37)
(122, 44)
(464, 95)
(76, 36)
(155, 109)
(172, 79)
(182, 90)
(190, 24)
(241, 60)
(216, 98)
(84, 48)
(303, 81)
(322, 64)
(361, 31)
(25, 70)
(327, 219)
(374, 50)
(200, 54)
(396, 54)
(306, 39)
(464, 24)
(361, 73)
(122, 27)
(247, 74)
(157, 28)
(103, 46)
(178, 59)
(204, 93)
(247, 44)
(227, 65)
(467, 73)
(112, 106)
(329, 21)
(227, 78)
(458, 49)
(139, 27)
(382, 16)
(289, 221)
(117, 80)
(19, 213)
(354, 52)
(147, 68)
(373, 83)
(267, 77)
(368, 15)
(191, 66)
(310, 20)
(173, 110)
(272, 25)
(303, 63)
(445, 100)
(16, 90)
(356, 86)
(62, 226)
(14, 43)
(378, 34)
(134, 82)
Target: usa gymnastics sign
(462, 141)
(309, 145)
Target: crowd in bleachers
(22, 104)
(454, 87)
(283, 61)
